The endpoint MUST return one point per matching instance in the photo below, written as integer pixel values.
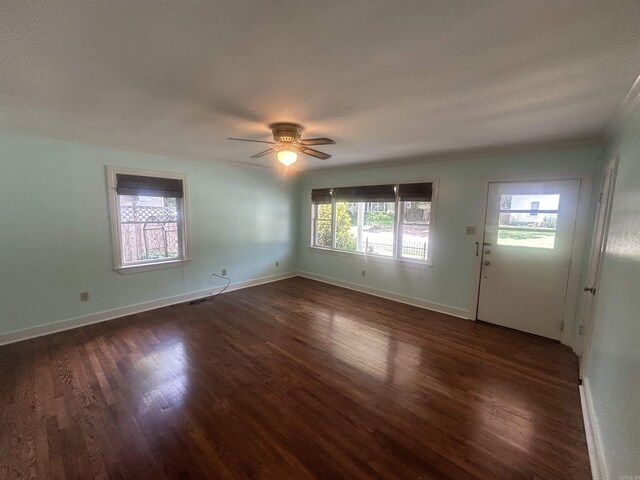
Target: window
(535, 206)
(414, 229)
(322, 218)
(390, 221)
(523, 223)
(359, 230)
(148, 217)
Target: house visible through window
(528, 220)
(376, 207)
(148, 216)
(383, 220)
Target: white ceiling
(386, 79)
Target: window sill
(374, 258)
(147, 267)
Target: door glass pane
(529, 202)
(528, 220)
(527, 238)
(541, 220)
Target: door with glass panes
(526, 255)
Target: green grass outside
(534, 237)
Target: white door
(526, 255)
(598, 247)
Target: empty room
(355, 239)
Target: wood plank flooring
(290, 380)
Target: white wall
(612, 380)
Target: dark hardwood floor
(294, 379)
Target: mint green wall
(613, 373)
(450, 281)
(55, 238)
(55, 234)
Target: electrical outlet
(363, 273)
(84, 296)
(470, 230)
(224, 272)
(277, 264)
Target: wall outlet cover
(470, 230)
(84, 296)
(224, 271)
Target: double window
(391, 221)
(148, 215)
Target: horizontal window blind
(149, 186)
(320, 196)
(415, 192)
(369, 193)
(406, 192)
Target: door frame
(586, 320)
(577, 247)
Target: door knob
(486, 262)
(592, 290)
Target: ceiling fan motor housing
(286, 132)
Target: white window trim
(395, 260)
(147, 265)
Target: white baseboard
(416, 302)
(40, 330)
(594, 442)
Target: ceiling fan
(287, 143)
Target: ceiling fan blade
(315, 153)
(317, 141)
(262, 154)
(247, 140)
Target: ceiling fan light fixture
(287, 143)
(287, 157)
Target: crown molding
(628, 104)
(27, 132)
(470, 153)
(453, 154)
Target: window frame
(399, 210)
(116, 227)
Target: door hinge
(581, 330)
(562, 326)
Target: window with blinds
(148, 218)
(390, 220)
